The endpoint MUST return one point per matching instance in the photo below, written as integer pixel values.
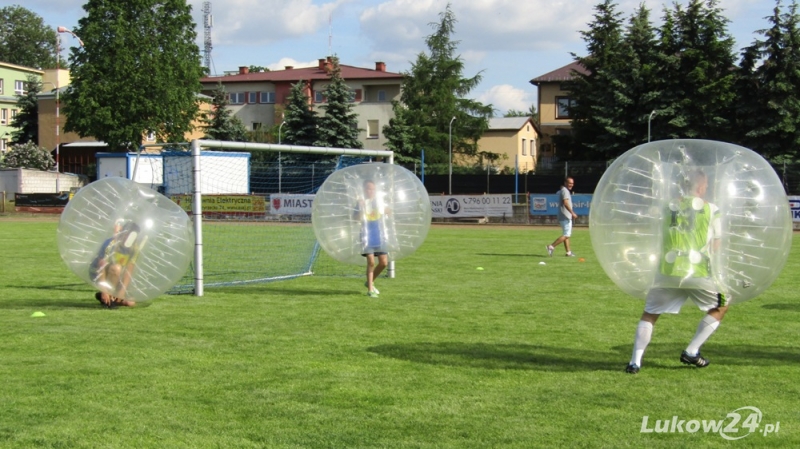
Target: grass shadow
(794, 307)
(82, 286)
(728, 354)
(503, 356)
(20, 303)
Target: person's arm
(567, 202)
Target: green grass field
(518, 355)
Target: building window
(381, 95)
(319, 97)
(252, 97)
(4, 117)
(352, 98)
(372, 129)
(267, 97)
(563, 105)
(256, 126)
(1, 86)
(19, 87)
(151, 136)
(3, 143)
(523, 148)
(236, 98)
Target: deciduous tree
(25, 39)
(139, 71)
(28, 155)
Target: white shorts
(670, 300)
(566, 227)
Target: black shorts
(375, 253)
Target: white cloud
(260, 22)
(284, 62)
(505, 97)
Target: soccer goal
(251, 209)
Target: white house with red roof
(258, 98)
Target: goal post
(196, 149)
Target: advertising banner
(290, 204)
(224, 203)
(549, 204)
(463, 206)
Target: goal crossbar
(197, 212)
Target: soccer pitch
(517, 355)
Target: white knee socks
(706, 327)
(644, 331)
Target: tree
(640, 83)
(28, 155)
(698, 83)
(433, 92)
(338, 127)
(768, 89)
(26, 121)
(598, 103)
(220, 123)
(139, 71)
(531, 112)
(300, 120)
(25, 39)
(257, 69)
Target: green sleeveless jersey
(689, 229)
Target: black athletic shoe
(697, 360)
(632, 368)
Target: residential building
(76, 154)
(13, 80)
(553, 107)
(516, 138)
(258, 98)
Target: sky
(506, 42)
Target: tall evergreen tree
(220, 123)
(25, 39)
(698, 84)
(338, 127)
(768, 89)
(300, 119)
(139, 71)
(599, 95)
(26, 121)
(640, 83)
(433, 92)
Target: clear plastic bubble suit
(391, 215)
(638, 201)
(125, 239)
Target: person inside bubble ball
(371, 212)
(565, 218)
(115, 263)
(691, 235)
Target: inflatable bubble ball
(126, 240)
(691, 214)
(373, 207)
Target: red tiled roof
(307, 73)
(561, 74)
